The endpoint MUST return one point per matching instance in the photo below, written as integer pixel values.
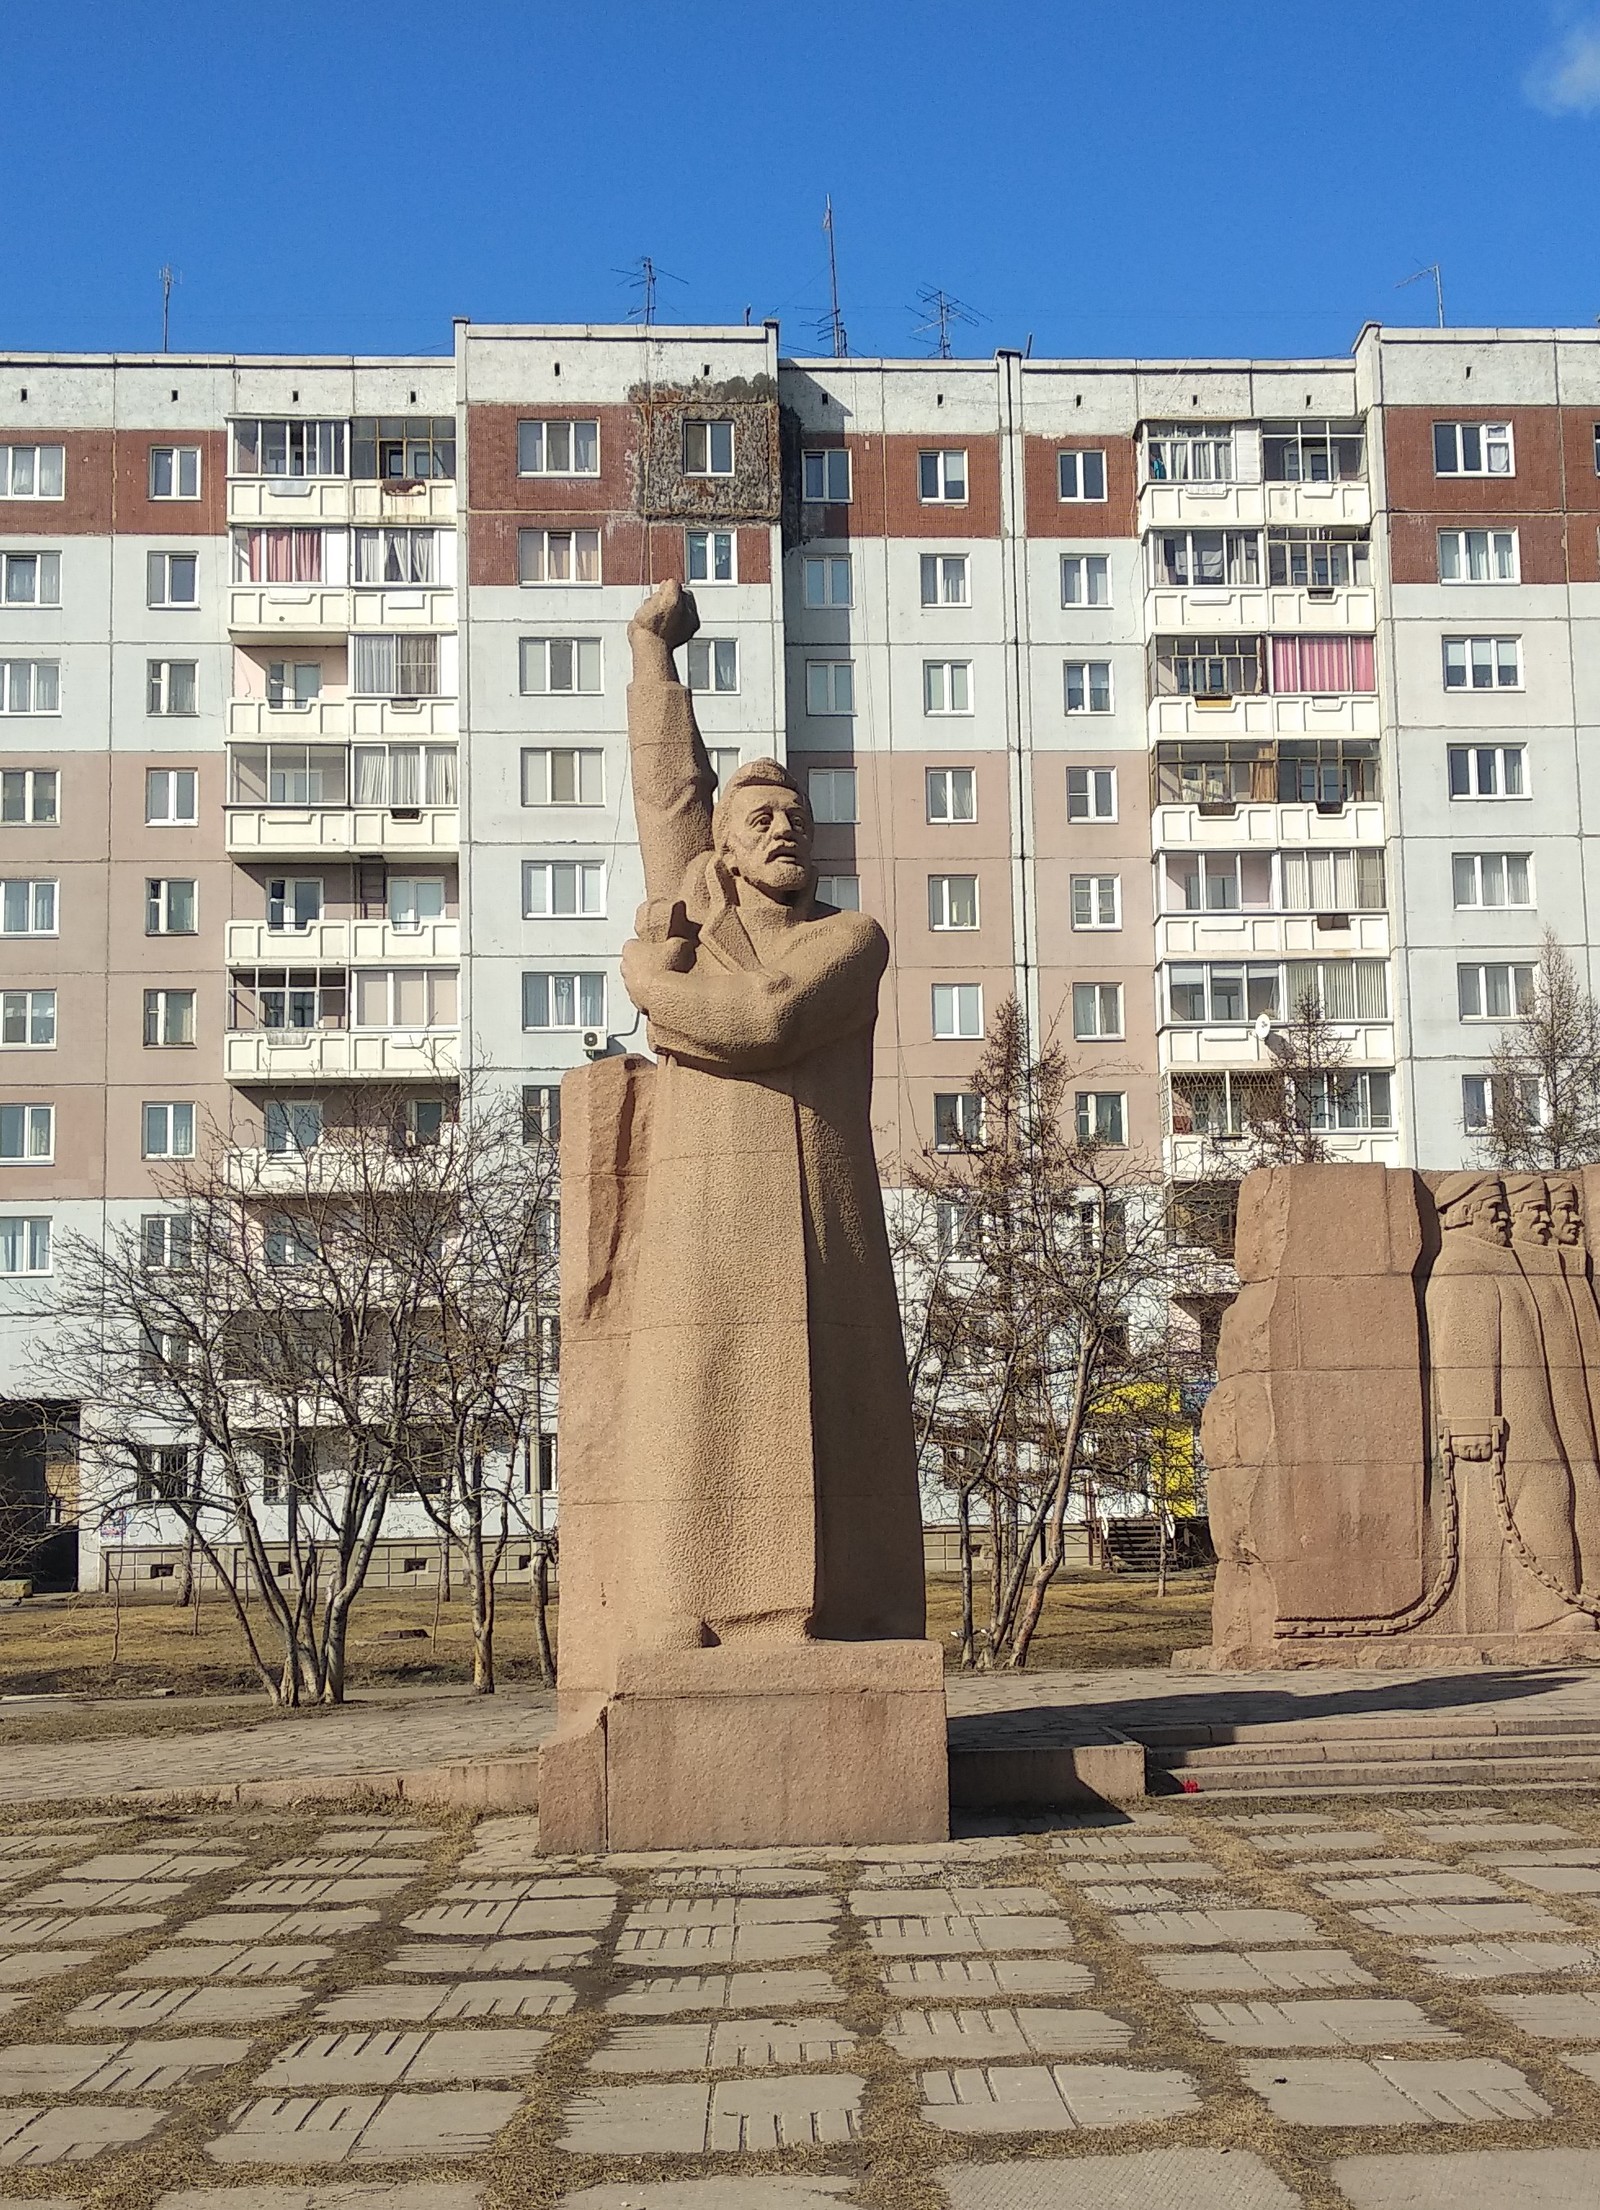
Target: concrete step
(1377, 1749)
(1476, 1723)
(1346, 1775)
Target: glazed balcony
(275, 1055)
(287, 613)
(342, 943)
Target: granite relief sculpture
(1403, 1446)
(742, 1606)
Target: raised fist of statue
(668, 613)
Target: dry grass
(1097, 1620)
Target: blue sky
(1146, 177)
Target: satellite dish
(1263, 1027)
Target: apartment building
(1154, 693)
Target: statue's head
(762, 831)
(1566, 1207)
(1530, 1208)
(1474, 1202)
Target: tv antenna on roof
(942, 312)
(831, 328)
(169, 277)
(642, 277)
(1432, 269)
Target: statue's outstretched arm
(672, 780)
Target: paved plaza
(1385, 2002)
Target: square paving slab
(122, 2009)
(421, 2194)
(1462, 1918)
(492, 1959)
(1175, 1929)
(385, 2059)
(466, 1999)
(1355, 2022)
(977, 1979)
(738, 2115)
(1504, 1960)
(752, 2045)
(1412, 1887)
(1262, 1971)
(1345, 2091)
(26, 1967)
(981, 2036)
(664, 1998)
(1052, 2098)
(960, 1936)
(1573, 2015)
(114, 2068)
(275, 1926)
(1473, 2179)
(61, 1930)
(1152, 2179)
(71, 2134)
(301, 2130)
(1497, 1830)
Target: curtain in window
(417, 666)
(1323, 664)
(372, 774)
(284, 555)
(405, 775)
(441, 768)
(372, 665)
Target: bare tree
(1287, 1114)
(294, 1339)
(1544, 1078)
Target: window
(288, 448)
(27, 908)
(30, 686)
(958, 1228)
(1208, 667)
(1328, 772)
(1311, 452)
(291, 1126)
(1081, 475)
(1101, 1116)
(825, 579)
(708, 448)
(1088, 686)
(290, 1471)
(293, 685)
(169, 907)
(24, 1246)
(952, 901)
(541, 1113)
(1488, 770)
(164, 1474)
(564, 1001)
(1478, 556)
(1324, 666)
(396, 556)
(563, 889)
(558, 556)
(33, 471)
(403, 777)
(1085, 579)
(952, 794)
(394, 666)
(957, 1011)
(1097, 901)
(27, 1132)
(560, 664)
(169, 1017)
(1495, 992)
(288, 775)
(169, 1131)
(402, 448)
(563, 776)
(1483, 1102)
(1091, 794)
(1205, 559)
(843, 891)
(1473, 449)
(957, 1119)
(30, 794)
(1219, 882)
(944, 580)
(947, 686)
(825, 475)
(293, 902)
(288, 1242)
(171, 796)
(276, 556)
(413, 998)
(1357, 1099)
(724, 760)
(1188, 453)
(414, 899)
(1482, 663)
(27, 1019)
(558, 448)
(1346, 989)
(832, 793)
(173, 578)
(30, 579)
(172, 687)
(942, 478)
(830, 687)
(711, 556)
(1333, 881)
(713, 663)
(1492, 878)
(174, 471)
(1318, 559)
(1096, 1011)
(290, 998)
(166, 1239)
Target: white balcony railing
(319, 717)
(289, 502)
(1271, 935)
(1267, 826)
(434, 501)
(1193, 1158)
(1253, 505)
(327, 1054)
(283, 611)
(422, 607)
(273, 832)
(1235, 1044)
(1261, 715)
(339, 943)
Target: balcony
(1345, 505)
(1220, 826)
(274, 1055)
(431, 501)
(254, 1172)
(1193, 1158)
(1261, 715)
(1272, 935)
(284, 613)
(340, 943)
(400, 607)
(287, 832)
(1234, 1045)
(318, 717)
(289, 502)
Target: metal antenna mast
(1432, 269)
(941, 312)
(642, 276)
(832, 327)
(168, 279)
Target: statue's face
(767, 840)
(1566, 1211)
(1530, 1215)
(1491, 1219)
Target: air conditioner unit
(594, 1043)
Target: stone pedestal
(744, 1747)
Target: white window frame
(1085, 579)
(323, 443)
(946, 579)
(415, 900)
(947, 687)
(529, 465)
(580, 982)
(438, 983)
(160, 568)
(167, 788)
(1519, 998)
(1491, 436)
(32, 781)
(533, 553)
(1088, 894)
(961, 1123)
(32, 466)
(1475, 872)
(174, 1134)
(826, 680)
(31, 1234)
(940, 787)
(1103, 1003)
(1473, 755)
(1088, 1116)
(43, 896)
(709, 663)
(833, 786)
(1091, 794)
(35, 1126)
(159, 689)
(1469, 646)
(1085, 671)
(34, 1012)
(843, 891)
(942, 475)
(1072, 470)
(1502, 548)
(819, 465)
(158, 891)
(942, 899)
(46, 568)
(35, 683)
(823, 569)
(588, 767)
(372, 545)
(539, 877)
(181, 460)
(703, 431)
(708, 542)
(289, 904)
(537, 656)
(1476, 1118)
(165, 1008)
(961, 1012)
